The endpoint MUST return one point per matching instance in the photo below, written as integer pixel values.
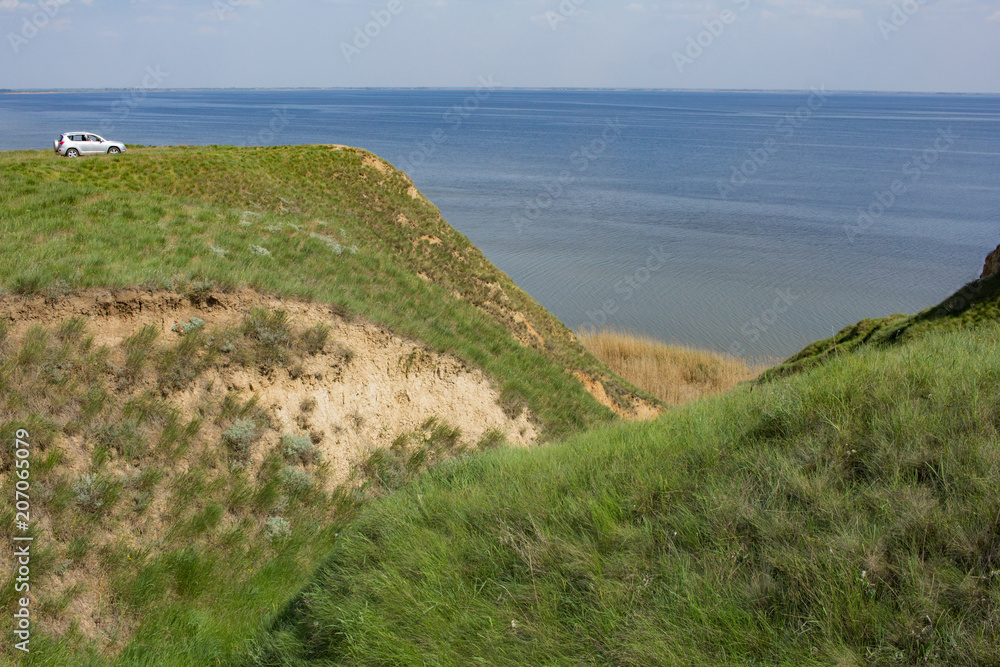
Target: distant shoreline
(55, 91)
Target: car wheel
(114, 150)
(72, 153)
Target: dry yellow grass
(674, 374)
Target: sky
(874, 45)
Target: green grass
(849, 515)
(338, 231)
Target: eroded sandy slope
(388, 386)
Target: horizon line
(498, 88)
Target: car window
(80, 137)
(93, 137)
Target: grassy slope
(164, 217)
(977, 302)
(338, 229)
(847, 515)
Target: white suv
(75, 144)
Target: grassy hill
(848, 515)
(328, 223)
(185, 331)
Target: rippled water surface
(724, 220)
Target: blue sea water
(741, 221)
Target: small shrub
(141, 502)
(277, 529)
(92, 493)
(267, 328)
(241, 436)
(297, 482)
(56, 371)
(346, 355)
(58, 289)
(300, 448)
(333, 245)
(279, 503)
(183, 328)
(269, 334)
